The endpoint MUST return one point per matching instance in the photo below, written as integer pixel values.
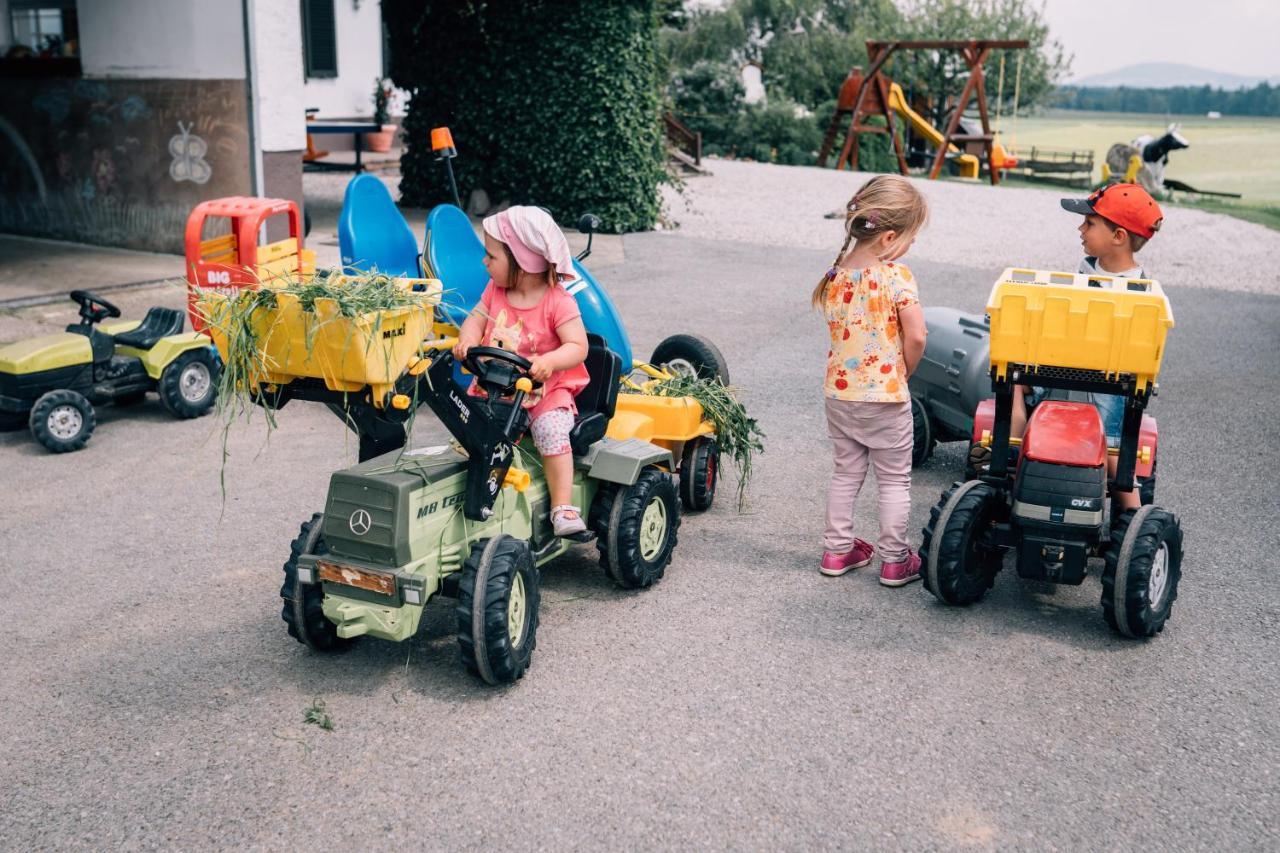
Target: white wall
(173, 39)
(278, 84)
(359, 33)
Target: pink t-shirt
(531, 332)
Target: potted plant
(381, 141)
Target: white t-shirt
(1090, 266)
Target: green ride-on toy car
(469, 520)
(52, 383)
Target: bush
(551, 102)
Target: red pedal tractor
(1076, 336)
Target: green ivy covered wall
(551, 102)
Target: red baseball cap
(1127, 205)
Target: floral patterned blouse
(861, 307)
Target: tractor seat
(597, 401)
(159, 323)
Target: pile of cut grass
(738, 434)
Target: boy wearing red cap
(1119, 219)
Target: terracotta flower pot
(380, 141)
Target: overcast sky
(1236, 36)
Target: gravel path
(970, 225)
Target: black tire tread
(500, 662)
(697, 455)
(696, 350)
(1155, 526)
(958, 583)
(618, 530)
(922, 440)
(305, 618)
(38, 420)
(171, 395)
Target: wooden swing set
(876, 94)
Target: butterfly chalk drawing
(188, 153)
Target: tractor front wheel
(497, 609)
(62, 420)
(1144, 565)
(636, 528)
(957, 564)
(303, 609)
(699, 473)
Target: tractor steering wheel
(498, 369)
(93, 308)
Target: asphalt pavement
(152, 699)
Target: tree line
(1261, 100)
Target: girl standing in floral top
(877, 331)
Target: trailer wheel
(699, 473)
(691, 355)
(922, 438)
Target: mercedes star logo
(360, 522)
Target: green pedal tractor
(467, 520)
(52, 383)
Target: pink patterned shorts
(551, 432)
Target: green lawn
(1230, 154)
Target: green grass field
(1230, 154)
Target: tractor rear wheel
(1144, 565)
(957, 564)
(497, 609)
(303, 608)
(636, 528)
(189, 384)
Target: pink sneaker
(902, 572)
(834, 565)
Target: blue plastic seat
(455, 255)
(372, 233)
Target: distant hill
(1167, 75)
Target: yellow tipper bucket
(348, 353)
(1108, 324)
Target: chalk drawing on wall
(188, 152)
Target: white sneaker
(564, 524)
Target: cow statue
(1146, 158)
